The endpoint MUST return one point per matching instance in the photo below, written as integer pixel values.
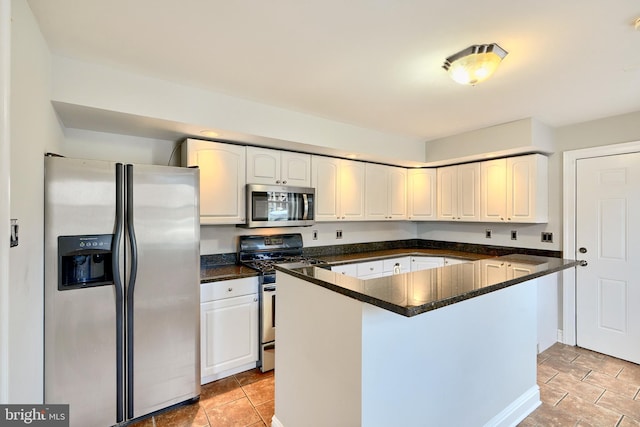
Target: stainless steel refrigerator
(122, 293)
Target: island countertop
(413, 293)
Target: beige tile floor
(582, 388)
(578, 388)
(245, 399)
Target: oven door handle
(269, 288)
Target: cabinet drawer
(228, 289)
(369, 268)
(346, 269)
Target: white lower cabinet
(426, 262)
(396, 266)
(228, 328)
(494, 271)
(346, 269)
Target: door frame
(569, 195)
(5, 211)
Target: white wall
(84, 144)
(34, 130)
(520, 134)
(223, 238)
(94, 86)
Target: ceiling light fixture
(474, 64)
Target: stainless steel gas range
(262, 253)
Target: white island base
(343, 362)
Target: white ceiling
(375, 63)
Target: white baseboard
(517, 410)
(508, 417)
(276, 422)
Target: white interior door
(607, 238)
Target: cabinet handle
(501, 219)
(284, 182)
(278, 182)
(255, 299)
(230, 289)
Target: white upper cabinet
(458, 195)
(515, 189)
(266, 166)
(222, 180)
(339, 188)
(386, 192)
(421, 194)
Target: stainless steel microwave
(280, 206)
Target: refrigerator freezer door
(165, 301)
(80, 334)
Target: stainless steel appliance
(279, 206)
(121, 289)
(262, 253)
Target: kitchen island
(443, 347)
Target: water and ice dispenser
(84, 261)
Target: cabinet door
(263, 166)
(492, 272)
(325, 177)
(426, 262)
(352, 185)
(469, 192)
(527, 188)
(447, 192)
(421, 194)
(295, 169)
(397, 193)
(229, 334)
(515, 270)
(493, 190)
(376, 191)
(222, 180)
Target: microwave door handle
(306, 206)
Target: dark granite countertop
(225, 272)
(214, 273)
(417, 292)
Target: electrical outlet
(514, 234)
(338, 234)
(315, 234)
(546, 237)
(14, 233)
(487, 233)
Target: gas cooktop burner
(262, 253)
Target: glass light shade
(474, 64)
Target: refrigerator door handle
(117, 281)
(131, 286)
